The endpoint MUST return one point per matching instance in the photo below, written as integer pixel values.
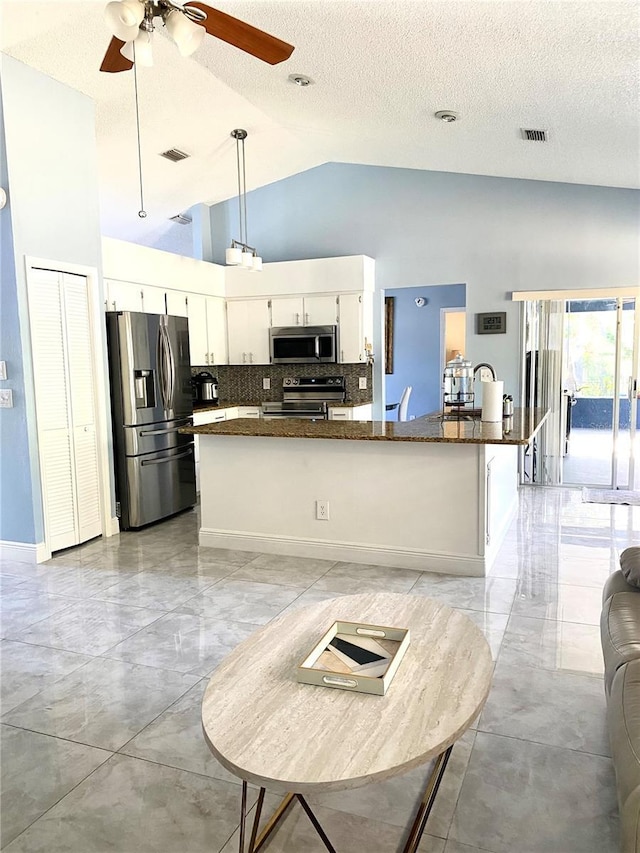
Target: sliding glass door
(585, 355)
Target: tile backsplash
(241, 382)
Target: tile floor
(106, 650)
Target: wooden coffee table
(298, 739)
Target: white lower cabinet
(249, 412)
(351, 413)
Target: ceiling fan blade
(113, 60)
(250, 39)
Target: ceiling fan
(132, 23)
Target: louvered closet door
(61, 348)
(81, 386)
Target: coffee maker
(205, 388)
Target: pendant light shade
(123, 18)
(240, 253)
(233, 256)
(187, 35)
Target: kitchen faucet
(488, 366)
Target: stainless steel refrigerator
(151, 399)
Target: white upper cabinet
(207, 329)
(176, 303)
(287, 311)
(153, 300)
(355, 312)
(320, 310)
(123, 295)
(217, 330)
(248, 326)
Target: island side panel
(412, 505)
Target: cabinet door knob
(212, 361)
(244, 358)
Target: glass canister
(457, 382)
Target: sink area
(467, 415)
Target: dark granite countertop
(519, 429)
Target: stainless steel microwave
(304, 344)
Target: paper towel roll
(492, 401)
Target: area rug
(610, 496)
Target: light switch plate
(3, 369)
(362, 383)
(6, 398)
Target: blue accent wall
(16, 497)
(495, 235)
(417, 347)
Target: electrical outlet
(485, 374)
(362, 383)
(322, 510)
(266, 383)
(3, 369)
(6, 398)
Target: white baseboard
(22, 552)
(289, 546)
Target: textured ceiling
(381, 69)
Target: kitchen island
(431, 494)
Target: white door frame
(110, 524)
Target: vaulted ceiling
(380, 70)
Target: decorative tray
(355, 656)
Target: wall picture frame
(389, 310)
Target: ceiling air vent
(533, 135)
(181, 219)
(175, 155)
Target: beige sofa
(620, 633)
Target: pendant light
(240, 253)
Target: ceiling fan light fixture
(187, 35)
(143, 54)
(123, 18)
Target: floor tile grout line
(53, 805)
(546, 745)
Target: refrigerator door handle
(162, 382)
(144, 432)
(162, 461)
(171, 370)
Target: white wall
(130, 262)
(54, 216)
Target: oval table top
(267, 728)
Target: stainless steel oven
(307, 398)
(304, 344)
